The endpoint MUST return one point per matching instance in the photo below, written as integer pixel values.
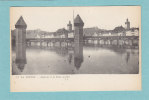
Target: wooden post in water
(98, 41)
(60, 43)
(20, 43)
(47, 44)
(132, 42)
(117, 40)
(110, 42)
(104, 41)
(40, 43)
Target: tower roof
(78, 21)
(127, 20)
(69, 24)
(20, 23)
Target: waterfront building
(61, 33)
(132, 32)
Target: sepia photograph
(74, 48)
(75, 40)
(68, 49)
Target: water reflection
(20, 55)
(21, 67)
(78, 55)
(62, 51)
(80, 59)
(127, 56)
(70, 58)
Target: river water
(83, 60)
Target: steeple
(127, 24)
(20, 23)
(69, 26)
(127, 19)
(69, 22)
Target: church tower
(69, 26)
(127, 24)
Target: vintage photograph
(75, 40)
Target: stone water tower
(20, 43)
(78, 41)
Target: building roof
(34, 33)
(90, 31)
(62, 30)
(119, 29)
(31, 33)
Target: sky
(53, 18)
